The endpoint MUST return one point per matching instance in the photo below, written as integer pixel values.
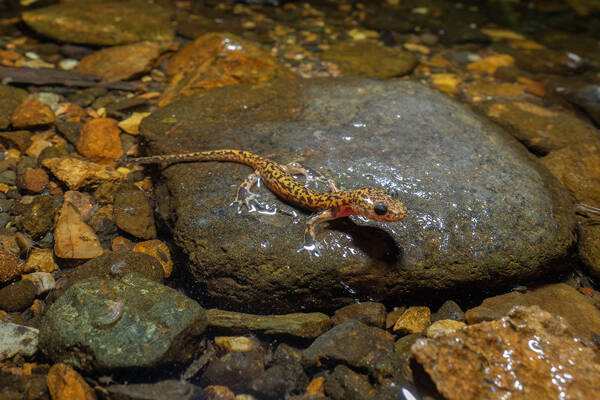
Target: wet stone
(544, 360)
(8, 177)
(158, 250)
(413, 320)
(105, 23)
(352, 343)
(73, 238)
(17, 296)
(369, 313)
(588, 247)
(278, 381)
(235, 370)
(587, 98)
(133, 213)
(43, 281)
(10, 98)
(393, 316)
(548, 61)
(443, 326)
(448, 310)
(370, 59)
(10, 266)
(77, 173)
(163, 390)
(65, 383)
(104, 324)
(445, 163)
(20, 139)
(99, 139)
(32, 180)
(307, 325)
(31, 113)
(559, 299)
(345, 384)
(21, 386)
(17, 339)
(38, 217)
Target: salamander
(369, 202)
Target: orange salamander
(371, 203)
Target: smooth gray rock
(481, 210)
(133, 322)
(17, 339)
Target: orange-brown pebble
(31, 112)
(73, 238)
(315, 388)
(64, 383)
(33, 180)
(121, 244)
(75, 112)
(100, 140)
(81, 201)
(10, 266)
(40, 260)
(216, 392)
(158, 250)
(413, 320)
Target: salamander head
(377, 205)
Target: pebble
(491, 63)
(17, 339)
(43, 281)
(68, 64)
(131, 125)
(17, 296)
(31, 113)
(448, 310)
(344, 383)
(577, 167)
(77, 173)
(38, 217)
(393, 316)
(307, 325)
(10, 98)
(10, 266)
(158, 250)
(65, 383)
(588, 247)
(133, 213)
(443, 326)
(32, 180)
(73, 238)
(369, 313)
(413, 320)
(538, 346)
(99, 140)
(20, 139)
(587, 98)
(236, 343)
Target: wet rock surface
(17, 296)
(133, 213)
(446, 165)
(115, 324)
(10, 98)
(17, 339)
(529, 354)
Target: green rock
(102, 23)
(38, 217)
(10, 98)
(133, 322)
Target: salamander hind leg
(310, 174)
(244, 194)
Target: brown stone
(158, 250)
(577, 167)
(559, 299)
(77, 173)
(443, 326)
(588, 247)
(121, 62)
(413, 320)
(530, 354)
(73, 238)
(40, 260)
(10, 266)
(33, 180)
(17, 296)
(491, 63)
(217, 392)
(31, 112)
(65, 383)
(393, 316)
(369, 313)
(215, 60)
(20, 139)
(82, 202)
(121, 243)
(99, 139)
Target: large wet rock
(481, 210)
(132, 322)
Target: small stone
(443, 326)
(344, 384)
(32, 180)
(40, 260)
(10, 266)
(588, 247)
(577, 167)
(228, 370)
(448, 310)
(99, 139)
(73, 238)
(587, 98)
(403, 345)
(278, 381)
(17, 339)
(10, 98)
(218, 392)
(307, 325)
(491, 63)
(65, 383)
(369, 313)
(121, 243)
(393, 316)
(447, 83)
(20, 139)
(17, 296)
(38, 217)
(77, 173)
(31, 113)
(38, 144)
(43, 281)
(546, 61)
(121, 62)
(81, 201)
(236, 343)
(8, 177)
(133, 213)
(413, 320)
(131, 125)
(158, 250)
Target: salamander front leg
(244, 194)
(310, 242)
(310, 174)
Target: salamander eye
(380, 208)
